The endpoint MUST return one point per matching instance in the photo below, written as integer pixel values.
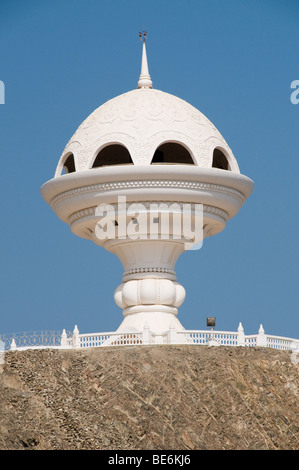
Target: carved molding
(149, 184)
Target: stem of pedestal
(149, 293)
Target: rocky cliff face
(164, 397)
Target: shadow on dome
(172, 154)
(220, 161)
(114, 154)
(69, 165)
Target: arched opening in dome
(172, 153)
(69, 165)
(114, 154)
(220, 160)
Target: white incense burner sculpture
(134, 169)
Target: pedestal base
(152, 302)
(158, 318)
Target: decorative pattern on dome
(142, 120)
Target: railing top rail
(235, 333)
(281, 338)
(208, 331)
(110, 333)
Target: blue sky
(234, 61)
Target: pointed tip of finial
(145, 78)
(261, 329)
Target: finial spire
(145, 78)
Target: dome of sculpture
(146, 126)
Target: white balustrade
(75, 340)
(94, 340)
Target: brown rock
(161, 397)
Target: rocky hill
(163, 397)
